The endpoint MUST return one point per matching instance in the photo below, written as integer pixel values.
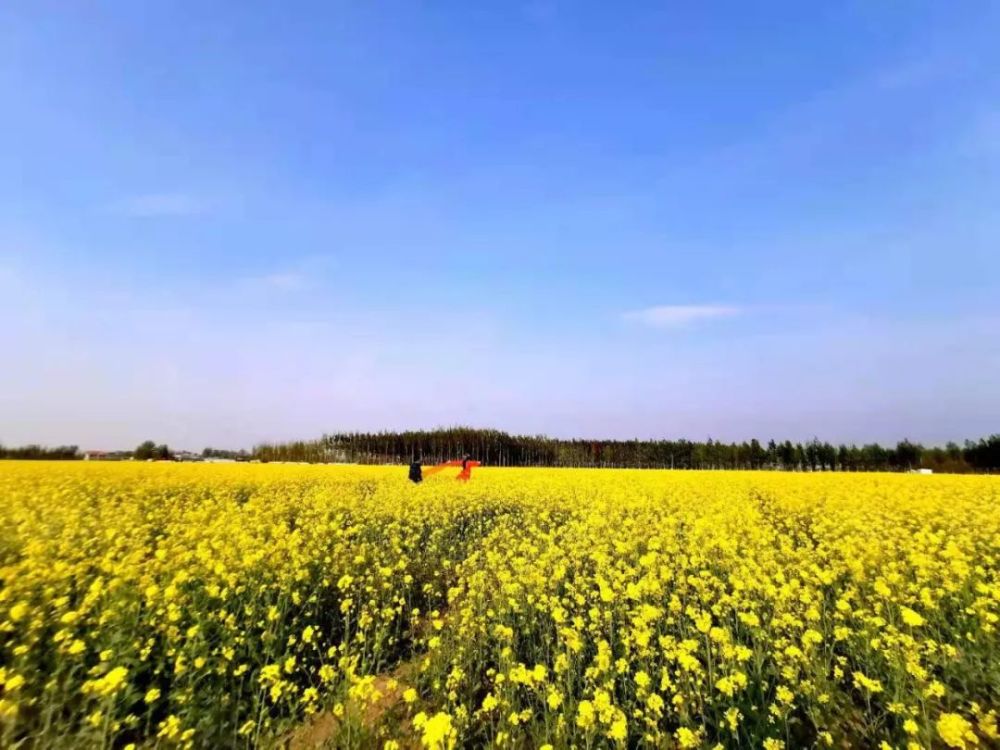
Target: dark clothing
(416, 472)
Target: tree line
(41, 453)
(148, 450)
(498, 448)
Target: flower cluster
(221, 606)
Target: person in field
(416, 470)
(466, 469)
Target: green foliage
(145, 450)
(498, 448)
(41, 453)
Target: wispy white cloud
(304, 274)
(159, 204)
(283, 281)
(280, 281)
(677, 316)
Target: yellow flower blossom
(955, 731)
(531, 608)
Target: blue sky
(222, 223)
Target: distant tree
(828, 457)
(800, 456)
(814, 453)
(786, 455)
(844, 458)
(145, 450)
(947, 460)
(497, 448)
(907, 454)
(162, 453)
(699, 456)
(874, 457)
(242, 455)
(855, 459)
(984, 455)
(772, 453)
(41, 453)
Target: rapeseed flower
(524, 609)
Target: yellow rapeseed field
(254, 605)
